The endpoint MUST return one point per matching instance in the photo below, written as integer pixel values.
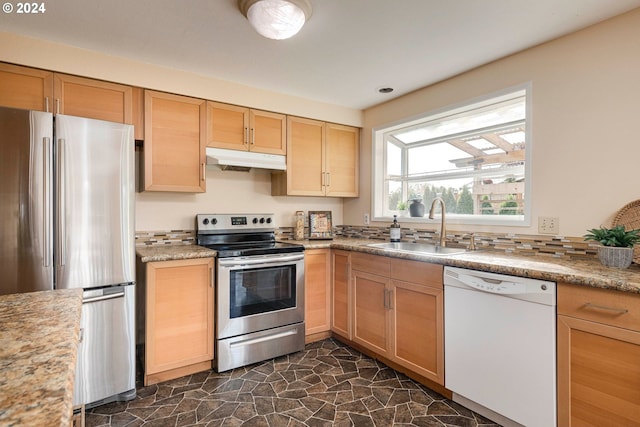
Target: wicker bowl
(629, 216)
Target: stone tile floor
(327, 384)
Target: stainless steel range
(259, 288)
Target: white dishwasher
(500, 346)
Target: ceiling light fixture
(276, 19)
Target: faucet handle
(472, 241)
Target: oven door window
(262, 290)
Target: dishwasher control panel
(524, 288)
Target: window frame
(378, 162)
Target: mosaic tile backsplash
(522, 244)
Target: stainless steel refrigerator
(67, 221)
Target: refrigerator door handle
(47, 163)
(60, 191)
(103, 297)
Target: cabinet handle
(246, 135)
(390, 299)
(253, 136)
(58, 106)
(204, 171)
(328, 179)
(46, 104)
(602, 307)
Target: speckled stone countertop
(172, 252)
(38, 348)
(589, 273)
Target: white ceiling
(348, 49)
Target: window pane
(473, 157)
(394, 160)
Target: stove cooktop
(249, 249)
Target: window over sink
(475, 156)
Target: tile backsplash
(521, 244)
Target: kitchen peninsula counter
(39, 334)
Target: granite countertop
(172, 252)
(581, 272)
(39, 335)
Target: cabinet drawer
(421, 273)
(373, 264)
(600, 305)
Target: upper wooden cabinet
(240, 128)
(322, 160)
(342, 166)
(175, 142)
(26, 88)
(78, 96)
(33, 89)
(598, 354)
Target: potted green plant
(402, 207)
(617, 245)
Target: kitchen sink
(417, 248)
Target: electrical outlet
(548, 225)
(366, 219)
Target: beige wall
(227, 192)
(586, 104)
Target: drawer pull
(602, 307)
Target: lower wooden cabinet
(598, 357)
(397, 312)
(179, 318)
(317, 292)
(417, 323)
(341, 293)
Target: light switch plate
(548, 225)
(366, 219)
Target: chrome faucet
(443, 230)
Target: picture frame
(320, 225)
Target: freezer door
(105, 369)
(94, 239)
(26, 243)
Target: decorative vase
(615, 257)
(416, 208)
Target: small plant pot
(615, 257)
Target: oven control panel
(231, 222)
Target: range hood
(244, 160)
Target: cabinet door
(598, 374)
(93, 99)
(342, 161)
(305, 157)
(174, 148)
(26, 88)
(370, 312)
(317, 290)
(417, 325)
(267, 133)
(340, 308)
(228, 126)
(179, 314)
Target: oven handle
(269, 260)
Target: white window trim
(378, 161)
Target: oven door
(259, 292)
